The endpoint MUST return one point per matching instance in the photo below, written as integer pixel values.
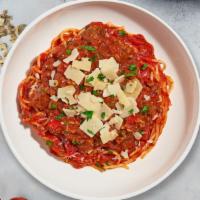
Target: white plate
(179, 132)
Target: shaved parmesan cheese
(112, 89)
(37, 76)
(137, 135)
(107, 112)
(92, 126)
(74, 74)
(53, 83)
(96, 83)
(89, 101)
(117, 121)
(54, 98)
(130, 109)
(122, 98)
(83, 64)
(66, 94)
(56, 63)
(72, 57)
(124, 154)
(133, 88)
(146, 97)
(107, 135)
(109, 68)
(69, 112)
(53, 74)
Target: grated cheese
(83, 64)
(74, 74)
(109, 68)
(107, 135)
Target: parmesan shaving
(74, 74)
(107, 135)
(72, 57)
(83, 64)
(109, 68)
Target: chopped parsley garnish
(132, 73)
(122, 32)
(145, 109)
(103, 114)
(93, 58)
(68, 52)
(81, 87)
(141, 132)
(131, 111)
(53, 106)
(112, 96)
(74, 142)
(98, 164)
(89, 79)
(144, 66)
(88, 114)
(90, 132)
(132, 67)
(94, 92)
(89, 48)
(101, 77)
(110, 152)
(49, 143)
(60, 116)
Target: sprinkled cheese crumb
(146, 97)
(54, 98)
(56, 63)
(124, 154)
(137, 135)
(37, 76)
(53, 83)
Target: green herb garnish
(88, 114)
(101, 77)
(60, 116)
(131, 111)
(89, 79)
(74, 142)
(68, 52)
(49, 143)
(103, 114)
(145, 109)
(89, 48)
(93, 58)
(112, 96)
(132, 73)
(141, 132)
(144, 66)
(94, 92)
(81, 87)
(98, 164)
(132, 67)
(53, 106)
(122, 32)
(90, 132)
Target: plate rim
(74, 195)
